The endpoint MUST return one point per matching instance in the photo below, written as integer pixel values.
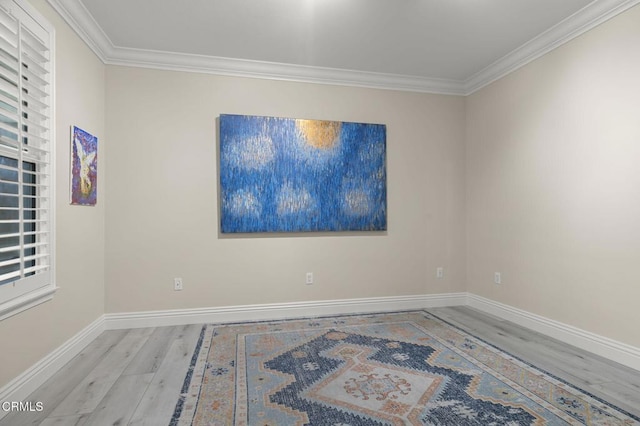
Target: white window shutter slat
(26, 204)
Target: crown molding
(587, 18)
(76, 15)
(278, 71)
(80, 20)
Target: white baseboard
(22, 386)
(608, 348)
(279, 311)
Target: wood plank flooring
(133, 377)
(598, 376)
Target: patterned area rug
(408, 368)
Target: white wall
(80, 100)
(553, 183)
(162, 213)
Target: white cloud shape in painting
(371, 152)
(294, 200)
(357, 203)
(379, 174)
(252, 153)
(244, 204)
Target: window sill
(27, 301)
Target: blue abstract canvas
(294, 175)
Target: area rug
(406, 368)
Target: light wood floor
(133, 377)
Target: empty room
(319, 212)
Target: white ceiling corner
(83, 23)
(76, 15)
(589, 17)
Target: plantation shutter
(25, 154)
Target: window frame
(30, 291)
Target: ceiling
(443, 46)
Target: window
(26, 165)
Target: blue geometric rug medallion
(407, 368)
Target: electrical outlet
(177, 284)
(440, 272)
(497, 278)
(309, 278)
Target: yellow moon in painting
(319, 134)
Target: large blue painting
(293, 175)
